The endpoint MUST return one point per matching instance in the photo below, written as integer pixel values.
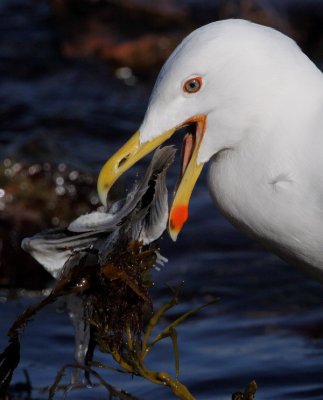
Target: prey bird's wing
(107, 222)
(143, 216)
(150, 221)
(52, 248)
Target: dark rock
(32, 198)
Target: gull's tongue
(187, 151)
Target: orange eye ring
(192, 85)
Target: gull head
(217, 83)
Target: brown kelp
(102, 263)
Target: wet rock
(144, 54)
(34, 197)
(141, 34)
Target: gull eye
(193, 85)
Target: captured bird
(93, 239)
(140, 216)
(252, 104)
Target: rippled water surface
(268, 325)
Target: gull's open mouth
(189, 141)
(188, 145)
(190, 170)
(194, 131)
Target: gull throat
(188, 146)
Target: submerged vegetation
(117, 300)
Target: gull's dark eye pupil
(192, 85)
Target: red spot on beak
(178, 217)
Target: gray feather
(143, 216)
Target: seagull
(251, 103)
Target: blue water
(268, 325)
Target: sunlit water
(268, 323)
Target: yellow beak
(133, 150)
